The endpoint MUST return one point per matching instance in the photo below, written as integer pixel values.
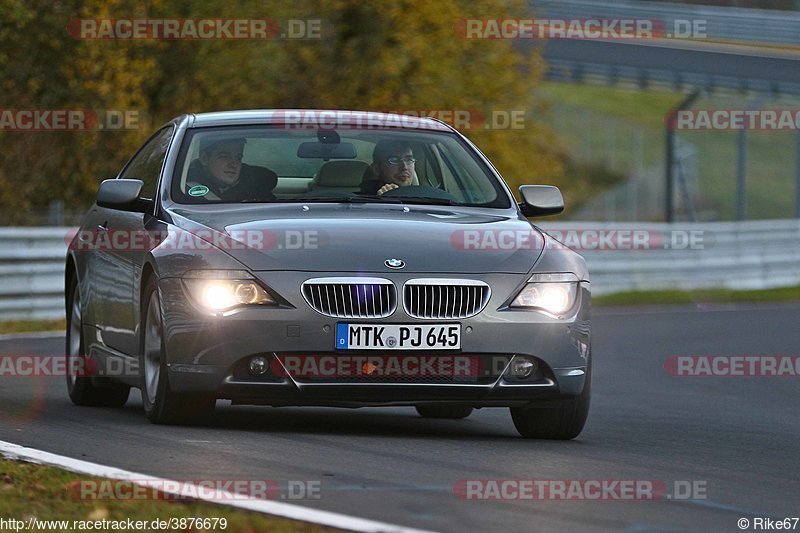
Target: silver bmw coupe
(325, 258)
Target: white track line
(32, 335)
(295, 512)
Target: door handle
(103, 226)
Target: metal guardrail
(723, 23)
(32, 273)
(737, 255)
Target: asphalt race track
(704, 59)
(736, 437)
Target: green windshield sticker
(198, 190)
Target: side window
(146, 164)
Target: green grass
(675, 297)
(27, 326)
(47, 493)
(623, 129)
(770, 172)
(645, 108)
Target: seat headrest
(341, 174)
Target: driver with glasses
(392, 167)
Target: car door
(123, 258)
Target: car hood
(362, 237)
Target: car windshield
(275, 164)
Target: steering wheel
(420, 191)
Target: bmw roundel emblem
(394, 263)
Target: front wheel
(161, 405)
(564, 422)
(79, 387)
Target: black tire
(161, 405)
(444, 411)
(564, 422)
(80, 388)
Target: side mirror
(123, 195)
(540, 200)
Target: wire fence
(722, 174)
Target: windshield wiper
(332, 199)
(364, 199)
(361, 199)
(298, 200)
(425, 201)
(257, 201)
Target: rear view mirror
(540, 200)
(318, 150)
(121, 194)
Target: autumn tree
(400, 55)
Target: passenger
(220, 169)
(392, 167)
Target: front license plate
(398, 337)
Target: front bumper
(204, 351)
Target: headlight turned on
(223, 290)
(554, 293)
